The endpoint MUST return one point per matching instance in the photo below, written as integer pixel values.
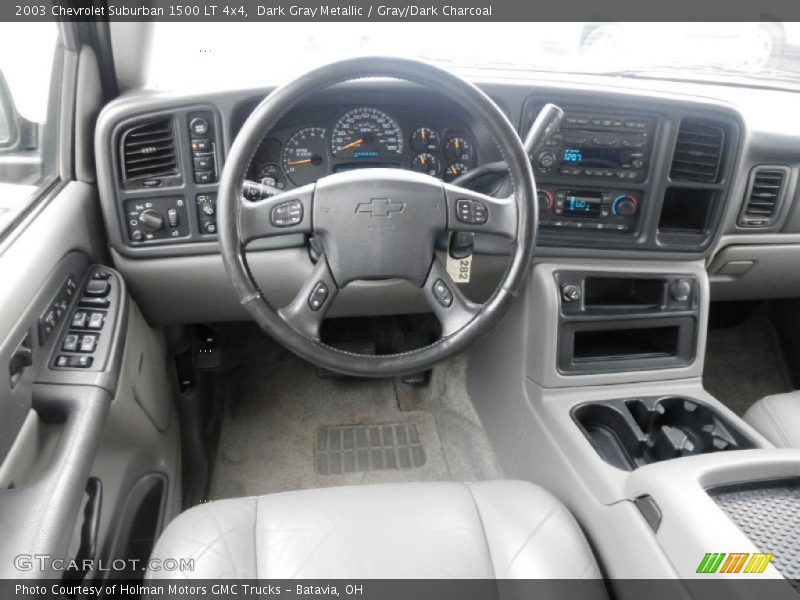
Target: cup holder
(630, 433)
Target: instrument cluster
(363, 137)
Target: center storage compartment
(630, 433)
(616, 344)
(604, 346)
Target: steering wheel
(376, 224)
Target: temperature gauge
(426, 163)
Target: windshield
(247, 54)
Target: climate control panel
(591, 209)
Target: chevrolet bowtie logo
(380, 207)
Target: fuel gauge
(454, 171)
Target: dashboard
(638, 170)
(311, 144)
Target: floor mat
(744, 363)
(276, 410)
(369, 448)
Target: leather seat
(493, 529)
(777, 418)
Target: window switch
(79, 320)
(96, 320)
(70, 343)
(88, 343)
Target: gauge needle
(352, 144)
(294, 163)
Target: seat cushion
(494, 529)
(777, 418)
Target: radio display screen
(582, 205)
(610, 158)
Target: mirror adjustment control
(318, 296)
(97, 288)
(442, 293)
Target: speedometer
(366, 134)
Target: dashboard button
(203, 163)
(204, 176)
(201, 145)
(198, 126)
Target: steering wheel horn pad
(379, 224)
(376, 224)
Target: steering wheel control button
(287, 214)
(570, 292)
(318, 296)
(442, 293)
(471, 212)
(97, 288)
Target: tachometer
(366, 133)
(304, 156)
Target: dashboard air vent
(763, 196)
(148, 150)
(698, 152)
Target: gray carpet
(745, 363)
(274, 407)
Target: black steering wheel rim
(232, 238)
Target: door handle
(20, 360)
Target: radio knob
(151, 220)
(546, 159)
(625, 206)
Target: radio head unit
(598, 146)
